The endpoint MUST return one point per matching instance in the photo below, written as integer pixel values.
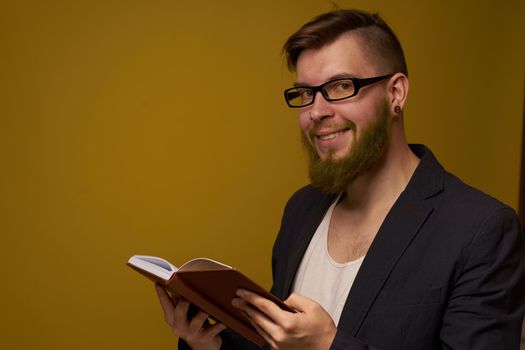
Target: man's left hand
(311, 327)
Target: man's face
(333, 175)
(344, 138)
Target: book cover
(208, 284)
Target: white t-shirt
(320, 277)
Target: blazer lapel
(399, 228)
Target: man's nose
(321, 108)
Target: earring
(397, 109)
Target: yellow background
(158, 127)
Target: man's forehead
(344, 56)
(328, 78)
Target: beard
(334, 175)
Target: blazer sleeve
(486, 305)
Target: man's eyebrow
(333, 77)
(299, 84)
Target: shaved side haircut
(378, 39)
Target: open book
(209, 285)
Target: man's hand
(311, 327)
(197, 332)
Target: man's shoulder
(464, 208)
(308, 195)
(436, 184)
(307, 192)
(469, 197)
(308, 198)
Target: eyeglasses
(333, 90)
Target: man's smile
(325, 136)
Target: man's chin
(332, 155)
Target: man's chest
(350, 236)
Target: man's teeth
(331, 136)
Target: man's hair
(378, 38)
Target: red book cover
(209, 285)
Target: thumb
(298, 302)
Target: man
(385, 249)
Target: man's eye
(344, 86)
(306, 93)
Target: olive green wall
(158, 127)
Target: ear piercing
(397, 109)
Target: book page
(203, 264)
(154, 265)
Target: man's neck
(380, 186)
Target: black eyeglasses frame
(358, 84)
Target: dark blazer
(445, 271)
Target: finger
(263, 322)
(197, 322)
(180, 314)
(269, 308)
(162, 293)
(262, 332)
(215, 329)
(166, 303)
(299, 303)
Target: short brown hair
(375, 34)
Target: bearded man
(384, 249)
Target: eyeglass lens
(332, 90)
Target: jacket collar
(401, 225)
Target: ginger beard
(334, 175)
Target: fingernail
(236, 302)
(241, 292)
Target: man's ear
(397, 92)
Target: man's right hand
(197, 332)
